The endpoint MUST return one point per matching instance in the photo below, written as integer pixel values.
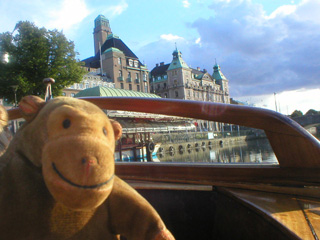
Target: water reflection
(253, 151)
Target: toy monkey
(58, 178)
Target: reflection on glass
(253, 151)
(158, 138)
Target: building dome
(112, 92)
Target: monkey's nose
(89, 161)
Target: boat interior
(219, 201)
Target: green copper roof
(112, 92)
(101, 21)
(112, 49)
(101, 17)
(112, 36)
(177, 61)
(217, 74)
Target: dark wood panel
(284, 209)
(239, 220)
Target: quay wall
(191, 144)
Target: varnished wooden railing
(297, 151)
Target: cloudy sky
(263, 46)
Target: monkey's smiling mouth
(77, 185)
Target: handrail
(292, 144)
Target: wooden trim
(168, 186)
(214, 174)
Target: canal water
(255, 151)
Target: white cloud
(287, 101)
(116, 10)
(261, 55)
(60, 14)
(308, 10)
(170, 37)
(67, 14)
(282, 11)
(186, 3)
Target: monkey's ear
(3, 117)
(117, 128)
(30, 106)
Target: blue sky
(262, 46)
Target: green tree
(34, 54)
(312, 112)
(296, 113)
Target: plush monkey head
(73, 141)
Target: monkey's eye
(66, 123)
(104, 130)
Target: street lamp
(15, 87)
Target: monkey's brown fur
(57, 178)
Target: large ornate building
(177, 80)
(117, 63)
(92, 79)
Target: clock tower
(100, 32)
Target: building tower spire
(100, 32)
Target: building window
(144, 77)
(72, 94)
(137, 76)
(120, 73)
(145, 87)
(166, 95)
(119, 61)
(176, 93)
(87, 85)
(159, 77)
(63, 94)
(138, 88)
(121, 85)
(129, 75)
(164, 85)
(130, 62)
(130, 86)
(165, 76)
(136, 64)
